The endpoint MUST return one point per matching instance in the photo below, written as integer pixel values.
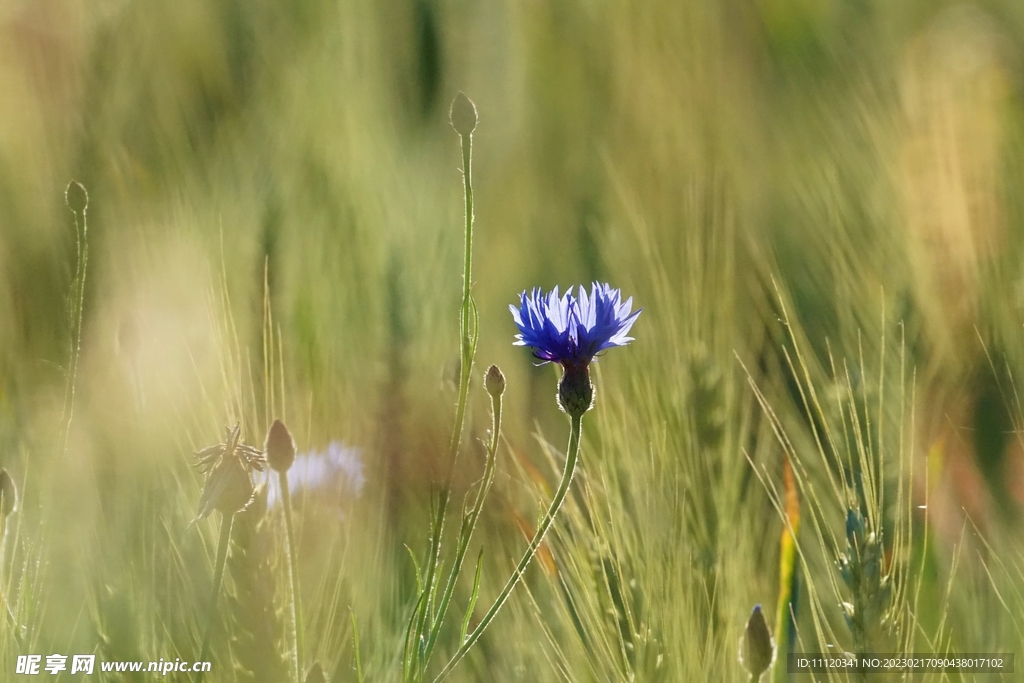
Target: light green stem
(218, 578)
(293, 574)
(467, 183)
(467, 352)
(469, 525)
(571, 459)
(82, 263)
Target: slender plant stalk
(468, 340)
(571, 459)
(286, 498)
(78, 292)
(468, 526)
(355, 648)
(218, 577)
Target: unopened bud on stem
(757, 648)
(463, 115)
(76, 197)
(279, 447)
(494, 381)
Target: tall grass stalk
(854, 448)
(422, 625)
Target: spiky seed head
(236, 493)
(316, 674)
(76, 197)
(8, 493)
(228, 489)
(280, 447)
(463, 115)
(757, 648)
(494, 381)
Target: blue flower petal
(573, 329)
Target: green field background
(816, 203)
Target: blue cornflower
(569, 329)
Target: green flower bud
(494, 381)
(757, 648)
(76, 197)
(575, 390)
(8, 493)
(463, 115)
(279, 447)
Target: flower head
(571, 330)
(228, 486)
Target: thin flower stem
(218, 577)
(78, 301)
(467, 329)
(467, 182)
(571, 459)
(286, 498)
(468, 526)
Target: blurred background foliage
(858, 162)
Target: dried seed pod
(279, 447)
(228, 489)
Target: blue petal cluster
(569, 329)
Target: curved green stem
(293, 574)
(571, 459)
(218, 578)
(468, 526)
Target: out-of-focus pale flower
(334, 473)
